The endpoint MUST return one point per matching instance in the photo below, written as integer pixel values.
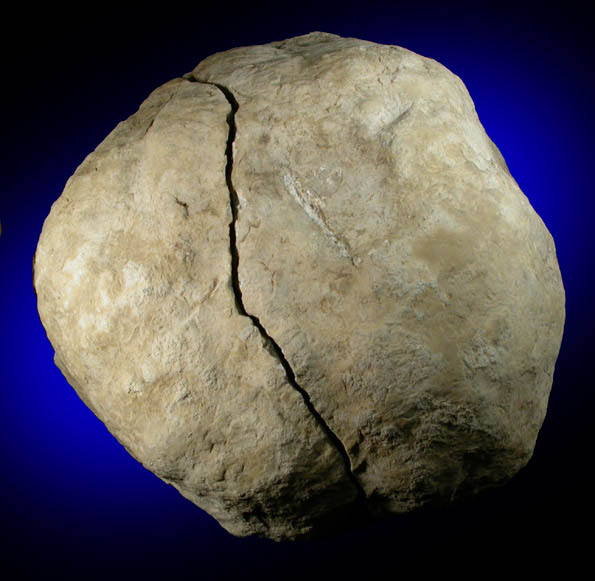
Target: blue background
(73, 502)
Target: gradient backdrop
(73, 503)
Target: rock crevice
(271, 345)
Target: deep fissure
(272, 346)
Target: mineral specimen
(301, 286)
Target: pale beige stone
(401, 306)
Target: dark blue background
(73, 502)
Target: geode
(301, 286)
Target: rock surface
(301, 286)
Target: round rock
(301, 286)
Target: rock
(301, 286)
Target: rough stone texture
(301, 286)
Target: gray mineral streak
(301, 286)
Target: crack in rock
(271, 345)
(184, 207)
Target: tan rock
(301, 286)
